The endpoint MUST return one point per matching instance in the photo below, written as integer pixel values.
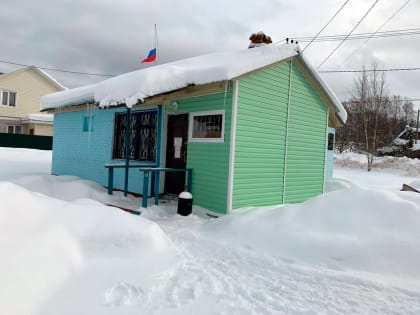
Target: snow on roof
(39, 117)
(76, 96)
(133, 87)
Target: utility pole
(417, 127)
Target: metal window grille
(143, 135)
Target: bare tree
(374, 118)
(409, 113)
(370, 96)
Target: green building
(251, 126)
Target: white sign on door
(177, 145)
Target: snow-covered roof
(38, 117)
(134, 87)
(76, 96)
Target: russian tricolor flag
(151, 56)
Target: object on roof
(259, 39)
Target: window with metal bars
(143, 136)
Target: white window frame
(206, 113)
(8, 98)
(14, 129)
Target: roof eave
(42, 73)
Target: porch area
(151, 175)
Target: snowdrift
(64, 187)
(23, 162)
(49, 247)
(404, 165)
(358, 229)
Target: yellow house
(20, 100)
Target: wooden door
(176, 152)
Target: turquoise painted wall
(84, 153)
(272, 149)
(209, 161)
(329, 165)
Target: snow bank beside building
(18, 162)
(405, 165)
(357, 229)
(54, 250)
(352, 251)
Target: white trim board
(232, 146)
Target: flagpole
(157, 44)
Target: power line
(357, 36)
(403, 99)
(57, 70)
(377, 30)
(336, 13)
(370, 70)
(354, 28)
(401, 32)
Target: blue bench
(147, 171)
(111, 167)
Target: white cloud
(104, 36)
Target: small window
(8, 99)
(207, 126)
(12, 99)
(5, 99)
(14, 129)
(330, 141)
(88, 123)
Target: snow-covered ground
(354, 250)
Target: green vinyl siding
(306, 143)
(209, 161)
(263, 124)
(260, 138)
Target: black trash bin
(185, 201)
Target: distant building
(20, 100)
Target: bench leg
(157, 187)
(145, 188)
(189, 180)
(110, 180)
